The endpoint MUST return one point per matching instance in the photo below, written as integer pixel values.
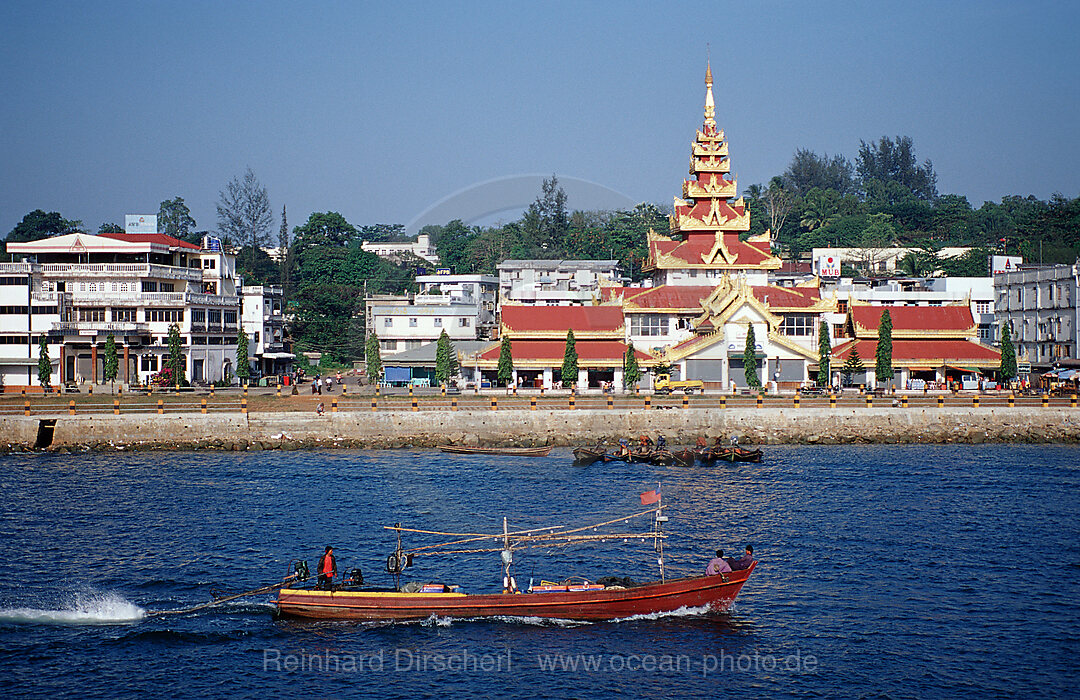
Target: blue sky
(378, 111)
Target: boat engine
(354, 578)
(301, 570)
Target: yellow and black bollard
(723, 401)
(760, 400)
(685, 401)
(1045, 400)
(160, 406)
(202, 408)
(443, 390)
(26, 408)
(453, 403)
(940, 401)
(243, 406)
(869, 401)
(1072, 400)
(975, 401)
(211, 389)
(903, 401)
(494, 403)
(90, 389)
(532, 403)
(333, 405)
(71, 407)
(1012, 399)
(610, 401)
(795, 401)
(572, 401)
(414, 406)
(648, 402)
(116, 407)
(375, 402)
(279, 391)
(245, 388)
(410, 390)
(832, 400)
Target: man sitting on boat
(718, 565)
(327, 568)
(744, 561)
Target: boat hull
(715, 592)
(513, 451)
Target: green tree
(112, 361)
(887, 161)
(174, 219)
(243, 362)
(284, 253)
(38, 225)
(546, 221)
(570, 360)
(505, 370)
(824, 355)
(175, 362)
(808, 171)
(323, 229)
(1007, 370)
(883, 369)
(750, 359)
(446, 363)
(373, 359)
(244, 215)
(853, 365)
(44, 364)
(631, 370)
(110, 227)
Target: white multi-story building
(1040, 305)
(82, 288)
(827, 261)
(554, 282)
(264, 322)
(421, 248)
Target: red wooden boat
(714, 592)
(513, 451)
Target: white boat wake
(84, 608)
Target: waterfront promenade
(264, 420)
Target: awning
(278, 356)
(25, 361)
(973, 370)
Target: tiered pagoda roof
(707, 220)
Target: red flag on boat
(650, 497)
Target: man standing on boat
(327, 568)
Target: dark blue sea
(908, 571)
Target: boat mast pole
(658, 540)
(507, 559)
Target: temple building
(932, 346)
(711, 283)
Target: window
(230, 318)
(198, 316)
(412, 322)
(797, 325)
(165, 315)
(648, 325)
(388, 345)
(92, 315)
(94, 287)
(148, 286)
(149, 363)
(438, 322)
(165, 286)
(124, 315)
(463, 322)
(982, 307)
(214, 316)
(209, 263)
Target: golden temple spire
(710, 106)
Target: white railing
(102, 326)
(10, 268)
(118, 270)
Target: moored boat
(584, 456)
(515, 451)
(737, 454)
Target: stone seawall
(390, 429)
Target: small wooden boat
(514, 451)
(714, 592)
(684, 458)
(662, 458)
(737, 454)
(584, 456)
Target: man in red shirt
(327, 568)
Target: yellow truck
(665, 385)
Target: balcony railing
(108, 270)
(105, 298)
(101, 327)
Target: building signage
(140, 223)
(829, 266)
(442, 271)
(1000, 264)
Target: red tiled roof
(701, 208)
(669, 296)
(913, 318)
(158, 238)
(525, 319)
(932, 352)
(788, 297)
(612, 293)
(554, 350)
(697, 245)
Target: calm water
(885, 571)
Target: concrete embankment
(391, 429)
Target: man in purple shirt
(718, 565)
(744, 561)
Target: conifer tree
(446, 364)
(631, 370)
(175, 363)
(570, 360)
(750, 361)
(505, 370)
(883, 369)
(373, 359)
(44, 366)
(853, 365)
(824, 355)
(1008, 369)
(112, 362)
(243, 363)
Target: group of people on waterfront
(320, 383)
(725, 565)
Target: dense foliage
(883, 368)
(750, 359)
